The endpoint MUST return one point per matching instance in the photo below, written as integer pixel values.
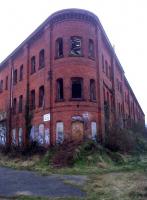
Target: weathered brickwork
(67, 75)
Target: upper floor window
(20, 103)
(59, 48)
(15, 77)
(14, 105)
(106, 66)
(76, 49)
(91, 48)
(77, 87)
(33, 65)
(41, 59)
(103, 64)
(60, 89)
(1, 86)
(6, 84)
(32, 104)
(92, 90)
(41, 96)
(21, 73)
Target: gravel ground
(16, 182)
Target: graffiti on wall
(2, 134)
(40, 134)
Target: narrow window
(14, 105)
(91, 48)
(59, 47)
(33, 65)
(77, 84)
(76, 46)
(92, 90)
(103, 65)
(106, 65)
(21, 73)
(59, 132)
(1, 86)
(60, 89)
(41, 96)
(32, 100)
(41, 59)
(20, 103)
(15, 77)
(6, 85)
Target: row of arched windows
(75, 47)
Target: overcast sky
(125, 23)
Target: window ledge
(92, 58)
(92, 100)
(58, 57)
(59, 100)
(77, 99)
(72, 55)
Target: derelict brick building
(64, 80)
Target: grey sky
(123, 20)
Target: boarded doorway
(77, 130)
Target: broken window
(21, 73)
(91, 48)
(92, 90)
(14, 105)
(77, 84)
(20, 103)
(59, 47)
(75, 46)
(32, 99)
(15, 77)
(6, 85)
(33, 65)
(60, 89)
(41, 59)
(41, 96)
(1, 86)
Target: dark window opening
(41, 96)
(76, 46)
(77, 88)
(21, 73)
(20, 103)
(92, 90)
(1, 86)
(32, 100)
(14, 105)
(60, 89)
(103, 65)
(41, 59)
(33, 65)
(6, 85)
(59, 47)
(91, 48)
(15, 77)
(106, 64)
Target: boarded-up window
(93, 130)
(41, 134)
(59, 132)
(14, 136)
(20, 132)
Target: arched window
(92, 90)
(91, 48)
(41, 96)
(41, 59)
(60, 89)
(59, 47)
(77, 88)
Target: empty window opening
(1, 86)
(14, 105)
(60, 89)
(41, 59)
(21, 73)
(77, 87)
(15, 77)
(32, 99)
(41, 96)
(20, 103)
(92, 90)
(91, 48)
(76, 46)
(59, 47)
(6, 85)
(33, 65)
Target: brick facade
(80, 81)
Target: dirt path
(15, 182)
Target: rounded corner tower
(74, 67)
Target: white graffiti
(2, 135)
